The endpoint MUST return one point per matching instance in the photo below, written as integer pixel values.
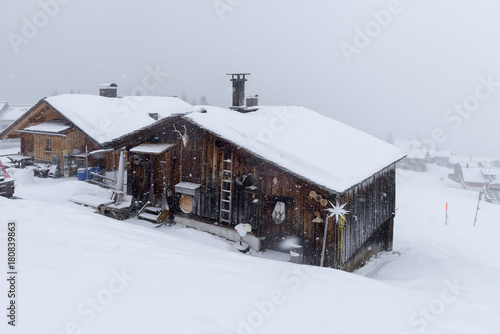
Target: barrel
(90, 170)
(81, 174)
(98, 170)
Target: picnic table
(21, 161)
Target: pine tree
(390, 138)
(194, 102)
(71, 91)
(184, 97)
(204, 101)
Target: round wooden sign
(186, 204)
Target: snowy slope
(178, 280)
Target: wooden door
(28, 144)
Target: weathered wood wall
(40, 114)
(371, 203)
(34, 144)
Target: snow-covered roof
(479, 173)
(188, 185)
(49, 127)
(476, 164)
(472, 175)
(108, 85)
(494, 172)
(105, 119)
(151, 148)
(476, 175)
(463, 160)
(408, 145)
(441, 154)
(12, 113)
(313, 146)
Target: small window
(48, 145)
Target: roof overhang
(148, 148)
(42, 133)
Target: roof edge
(17, 121)
(54, 109)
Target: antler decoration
(184, 136)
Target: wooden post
(477, 208)
(324, 243)
(164, 201)
(121, 172)
(86, 164)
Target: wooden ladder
(226, 189)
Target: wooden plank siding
(34, 144)
(370, 203)
(41, 113)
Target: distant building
(415, 155)
(10, 113)
(441, 158)
(476, 175)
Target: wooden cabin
(416, 155)
(75, 128)
(476, 175)
(278, 169)
(439, 157)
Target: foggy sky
(420, 64)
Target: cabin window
(48, 145)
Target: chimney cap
(237, 75)
(108, 85)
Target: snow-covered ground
(80, 272)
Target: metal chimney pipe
(238, 80)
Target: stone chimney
(252, 101)
(108, 90)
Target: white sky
(427, 59)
